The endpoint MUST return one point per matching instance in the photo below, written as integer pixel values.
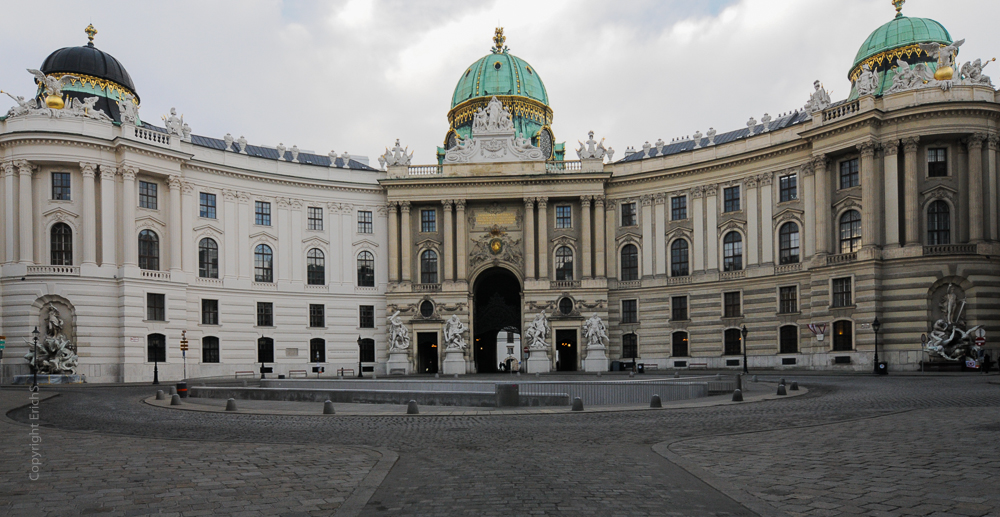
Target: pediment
(849, 201)
(630, 234)
(149, 219)
(365, 242)
(263, 235)
(563, 239)
(316, 241)
(208, 228)
(735, 222)
(428, 243)
(940, 192)
(60, 214)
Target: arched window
(788, 244)
(938, 223)
(732, 252)
(209, 349)
(265, 350)
(843, 337)
(788, 339)
(630, 346)
(850, 231)
(208, 258)
(62, 245)
(564, 263)
(367, 350)
(733, 342)
(315, 267)
(317, 350)
(630, 262)
(366, 269)
(149, 250)
(263, 264)
(428, 267)
(156, 348)
(679, 344)
(679, 258)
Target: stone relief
(496, 246)
(395, 156)
(536, 333)
(493, 140)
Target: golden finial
(91, 32)
(899, 7)
(498, 41)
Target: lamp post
(156, 370)
(359, 357)
(743, 333)
(34, 360)
(875, 326)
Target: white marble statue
(867, 83)
(228, 139)
(949, 339)
(86, 108)
(766, 122)
(173, 123)
(453, 330)
(346, 157)
(711, 136)
(399, 334)
(904, 79)
(281, 151)
(611, 153)
(592, 149)
(537, 332)
(645, 149)
(397, 156)
(697, 136)
(295, 153)
(56, 353)
(818, 99)
(751, 124)
(185, 133)
(945, 54)
(53, 322)
(51, 85)
(493, 139)
(595, 332)
(23, 106)
(659, 146)
(242, 142)
(972, 73)
(128, 112)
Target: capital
(404, 207)
(867, 148)
(765, 179)
(460, 205)
(88, 169)
(910, 144)
(108, 172)
(529, 202)
(229, 195)
(128, 172)
(24, 167)
(646, 199)
(975, 140)
(8, 168)
(391, 205)
(659, 197)
(585, 201)
(446, 203)
(542, 201)
(187, 187)
(891, 147)
(174, 183)
(599, 200)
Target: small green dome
(902, 31)
(500, 73)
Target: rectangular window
(630, 346)
(262, 213)
(367, 313)
(317, 315)
(788, 339)
(209, 349)
(628, 214)
(789, 297)
(147, 195)
(365, 221)
(678, 208)
(849, 173)
(315, 218)
(731, 305)
(679, 308)
(564, 216)
(156, 307)
(731, 199)
(937, 162)
(428, 221)
(265, 314)
(207, 205)
(210, 312)
(842, 292)
(60, 186)
(630, 311)
(368, 350)
(156, 348)
(788, 187)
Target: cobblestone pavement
(897, 445)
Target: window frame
(727, 304)
(788, 188)
(208, 267)
(783, 344)
(789, 244)
(628, 216)
(788, 304)
(564, 217)
(629, 268)
(938, 168)
(148, 195)
(730, 337)
(630, 346)
(678, 304)
(156, 307)
(674, 346)
(210, 354)
(429, 267)
(732, 252)
(837, 299)
(563, 267)
(678, 208)
(314, 218)
(837, 343)
(630, 311)
(207, 205)
(680, 267)
(317, 316)
(851, 243)
(62, 186)
(149, 250)
(731, 199)
(936, 234)
(209, 311)
(265, 314)
(160, 350)
(428, 220)
(317, 350)
(61, 244)
(263, 263)
(366, 268)
(365, 222)
(262, 213)
(315, 267)
(850, 171)
(366, 316)
(265, 355)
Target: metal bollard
(175, 400)
(781, 389)
(411, 408)
(182, 389)
(577, 404)
(328, 407)
(737, 396)
(231, 405)
(655, 401)
(795, 386)
(160, 395)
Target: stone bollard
(781, 389)
(175, 400)
(173, 390)
(518, 374)
(456, 375)
(782, 381)
(231, 405)
(244, 383)
(374, 376)
(160, 395)
(737, 396)
(677, 375)
(411, 408)
(754, 378)
(795, 386)
(328, 407)
(631, 374)
(655, 401)
(577, 404)
(718, 376)
(437, 376)
(537, 375)
(598, 374)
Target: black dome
(88, 60)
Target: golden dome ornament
(55, 102)
(945, 73)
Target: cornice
(473, 181)
(280, 181)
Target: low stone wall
(369, 396)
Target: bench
(703, 366)
(650, 366)
(247, 373)
(292, 373)
(342, 371)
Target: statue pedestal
(454, 362)
(399, 363)
(538, 361)
(29, 379)
(597, 360)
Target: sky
(355, 75)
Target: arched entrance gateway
(496, 299)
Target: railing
(731, 275)
(564, 284)
(422, 288)
(265, 286)
(424, 170)
(950, 249)
(628, 284)
(152, 136)
(156, 275)
(54, 270)
(317, 287)
(843, 258)
(365, 289)
(679, 280)
(787, 268)
(564, 166)
(841, 111)
(607, 393)
(215, 282)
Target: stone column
(586, 250)
(647, 235)
(752, 250)
(128, 215)
(89, 235)
(712, 227)
(871, 200)
(659, 234)
(976, 187)
(461, 256)
(242, 225)
(283, 255)
(109, 228)
(338, 240)
(599, 237)
(406, 249)
(26, 213)
(992, 190)
(231, 248)
(189, 258)
(449, 241)
(821, 188)
(543, 238)
(296, 255)
(10, 213)
(890, 149)
(699, 233)
(611, 243)
(393, 241)
(529, 237)
(174, 185)
(767, 219)
(911, 219)
(349, 228)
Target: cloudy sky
(353, 75)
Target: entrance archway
(496, 296)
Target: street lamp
(743, 332)
(875, 326)
(359, 358)
(34, 360)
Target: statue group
(949, 339)
(537, 332)
(56, 353)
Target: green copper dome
(499, 74)
(902, 31)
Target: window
(265, 314)
(628, 214)
(842, 336)
(788, 188)
(850, 232)
(630, 262)
(733, 342)
(147, 195)
(149, 250)
(315, 222)
(849, 173)
(565, 307)
(366, 269)
(732, 252)
(156, 307)
(62, 245)
(317, 315)
(367, 350)
(209, 349)
(317, 350)
(156, 348)
(678, 208)
(206, 203)
(428, 221)
(938, 223)
(679, 258)
(365, 221)
(429, 267)
(427, 308)
(564, 216)
(731, 305)
(630, 311)
(263, 264)
(262, 213)
(788, 243)
(367, 313)
(731, 199)
(937, 162)
(679, 308)
(630, 346)
(265, 350)
(208, 258)
(679, 344)
(842, 292)
(564, 263)
(210, 312)
(788, 339)
(788, 300)
(60, 186)
(315, 267)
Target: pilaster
(128, 216)
(406, 246)
(820, 186)
(871, 201)
(461, 238)
(647, 235)
(89, 234)
(890, 149)
(26, 222)
(449, 241)
(911, 219)
(543, 238)
(700, 232)
(767, 218)
(599, 237)
(393, 241)
(529, 238)
(109, 228)
(11, 213)
(586, 250)
(752, 211)
(174, 232)
(712, 227)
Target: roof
(500, 73)
(88, 60)
(900, 32)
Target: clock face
(496, 246)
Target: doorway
(566, 350)
(427, 352)
(496, 296)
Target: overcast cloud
(355, 75)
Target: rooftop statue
(818, 99)
(128, 112)
(173, 123)
(493, 139)
(228, 139)
(396, 156)
(52, 87)
(867, 83)
(23, 106)
(972, 73)
(945, 55)
(592, 150)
